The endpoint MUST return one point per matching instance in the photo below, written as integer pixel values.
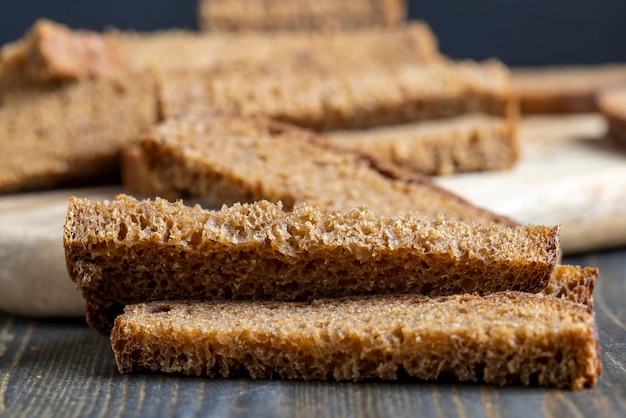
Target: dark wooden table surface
(62, 368)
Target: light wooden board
(33, 277)
(569, 174)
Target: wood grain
(63, 368)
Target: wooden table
(62, 368)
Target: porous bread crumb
(573, 283)
(502, 338)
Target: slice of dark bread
(130, 251)
(573, 283)
(501, 338)
(289, 15)
(317, 93)
(223, 158)
(437, 147)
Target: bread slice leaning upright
(129, 251)
(501, 338)
(224, 158)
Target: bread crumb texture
(502, 338)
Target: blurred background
(520, 32)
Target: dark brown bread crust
(502, 338)
(223, 159)
(128, 251)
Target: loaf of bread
(502, 338)
(612, 104)
(565, 89)
(438, 147)
(223, 159)
(129, 251)
(290, 15)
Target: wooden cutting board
(569, 174)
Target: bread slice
(129, 251)
(66, 110)
(53, 52)
(55, 133)
(565, 89)
(502, 338)
(173, 50)
(612, 104)
(316, 94)
(573, 283)
(439, 147)
(224, 158)
(50, 52)
(290, 15)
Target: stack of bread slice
(71, 100)
(363, 271)
(252, 290)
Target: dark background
(520, 32)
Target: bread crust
(573, 283)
